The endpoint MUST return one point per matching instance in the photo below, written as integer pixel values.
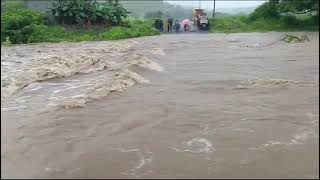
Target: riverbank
(243, 24)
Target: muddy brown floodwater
(169, 106)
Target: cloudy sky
(222, 4)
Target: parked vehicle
(200, 19)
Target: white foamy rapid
(106, 65)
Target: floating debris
(294, 39)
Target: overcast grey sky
(222, 4)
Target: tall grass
(130, 28)
(135, 28)
(234, 24)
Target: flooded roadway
(198, 106)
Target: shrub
(313, 20)
(20, 25)
(88, 12)
(136, 28)
(228, 24)
(289, 21)
(125, 22)
(265, 25)
(16, 29)
(268, 10)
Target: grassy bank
(133, 28)
(235, 24)
(57, 33)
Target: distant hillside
(246, 10)
(149, 9)
(139, 9)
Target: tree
(268, 10)
(273, 8)
(299, 6)
(310, 7)
(88, 12)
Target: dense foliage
(26, 26)
(273, 8)
(88, 12)
(299, 6)
(268, 10)
(234, 24)
(136, 28)
(20, 26)
(274, 15)
(307, 7)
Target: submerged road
(197, 106)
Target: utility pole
(214, 8)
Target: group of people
(170, 26)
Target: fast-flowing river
(172, 106)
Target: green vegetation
(92, 20)
(135, 28)
(273, 15)
(20, 25)
(88, 12)
(234, 24)
(57, 33)
(267, 10)
(76, 20)
(297, 6)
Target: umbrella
(186, 22)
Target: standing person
(157, 24)
(177, 25)
(186, 24)
(170, 24)
(161, 25)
